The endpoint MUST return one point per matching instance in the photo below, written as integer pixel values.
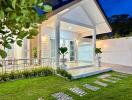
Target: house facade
(67, 26)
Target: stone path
(93, 88)
(104, 76)
(62, 96)
(78, 91)
(108, 80)
(101, 83)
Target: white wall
(116, 51)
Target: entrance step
(88, 71)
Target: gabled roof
(86, 13)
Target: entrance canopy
(85, 13)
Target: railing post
(57, 40)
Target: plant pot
(98, 60)
(35, 61)
(63, 61)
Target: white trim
(94, 45)
(57, 40)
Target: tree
(120, 24)
(18, 20)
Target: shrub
(117, 35)
(4, 77)
(26, 74)
(12, 75)
(64, 73)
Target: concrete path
(119, 68)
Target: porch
(69, 27)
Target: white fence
(116, 51)
(24, 64)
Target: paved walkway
(119, 68)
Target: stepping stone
(62, 96)
(78, 91)
(42, 98)
(115, 78)
(93, 88)
(121, 76)
(104, 76)
(101, 83)
(108, 80)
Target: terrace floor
(119, 68)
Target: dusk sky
(112, 7)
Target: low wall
(116, 51)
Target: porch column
(57, 40)
(94, 45)
(39, 45)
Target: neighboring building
(67, 26)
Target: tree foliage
(98, 51)
(18, 20)
(121, 24)
(121, 27)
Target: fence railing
(24, 64)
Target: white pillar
(94, 46)
(57, 40)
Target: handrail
(9, 65)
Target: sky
(114, 7)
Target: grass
(32, 89)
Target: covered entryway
(69, 28)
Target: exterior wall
(45, 42)
(33, 44)
(18, 52)
(116, 51)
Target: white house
(68, 26)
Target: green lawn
(32, 89)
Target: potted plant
(63, 52)
(35, 55)
(98, 58)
